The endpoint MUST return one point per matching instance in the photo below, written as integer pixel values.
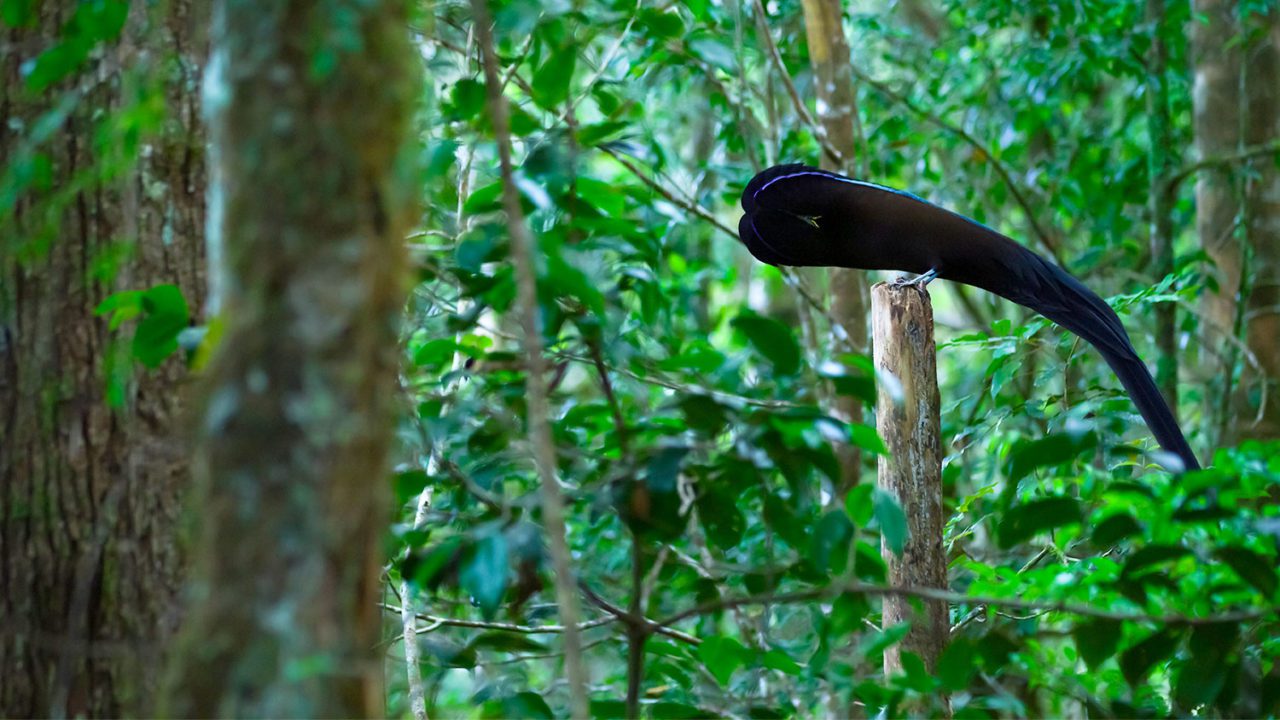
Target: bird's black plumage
(799, 215)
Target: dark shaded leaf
(1057, 449)
(1137, 661)
(551, 81)
(1022, 522)
(1252, 567)
(1096, 641)
(1115, 528)
(771, 339)
(722, 655)
(831, 542)
(484, 571)
(957, 664)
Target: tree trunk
(1216, 117)
(309, 109)
(1260, 385)
(838, 114)
(1236, 105)
(90, 494)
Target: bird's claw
(920, 280)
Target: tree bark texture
(838, 114)
(1260, 385)
(902, 338)
(1236, 104)
(309, 107)
(90, 495)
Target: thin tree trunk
(90, 564)
(1160, 133)
(838, 114)
(1216, 118)
(1236, 104)
(309, 109)
(1260, 412)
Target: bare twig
(802, 110)
(1246, 153)
(651, 626)
(926, 593)
(681, 202)
(539, 427)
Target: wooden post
(902, 337)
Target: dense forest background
(324, 326)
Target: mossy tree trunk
(90, 491)
(309, 107)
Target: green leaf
(484, 570)
(1137, 661)
(831, 542)
(1022, 522)
(1114, 529)
(409, 484)
(17, 13)
(521, 705)
(876, 642)
(859, 505)
(778, 660)
(1201, 679)
(771, 339)
(467, 98)
(1252, 567)
(551, 81)
(722, 655)
(1096, 641)
(662, 24)
(957, 664)
(893, 521)
(1152, 555)
(679, 711)
(507, 642)
(165, 315)
(847, 613)
(608, 709)
(484, 199)
(917, 676)
(866, 437)
(596, 133)
(1057, 449)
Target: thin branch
(802, 110)
(1243, 154)
(927, 593)
(620, 614)
(1045, 239)
(435, 622)
(683, 203)
(538, 406)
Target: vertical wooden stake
(902, 337)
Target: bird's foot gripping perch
(920, 280)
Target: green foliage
(692, 388)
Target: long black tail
(1064, 300)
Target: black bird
(800, 215)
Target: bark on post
(902, 337)
(310, 106)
